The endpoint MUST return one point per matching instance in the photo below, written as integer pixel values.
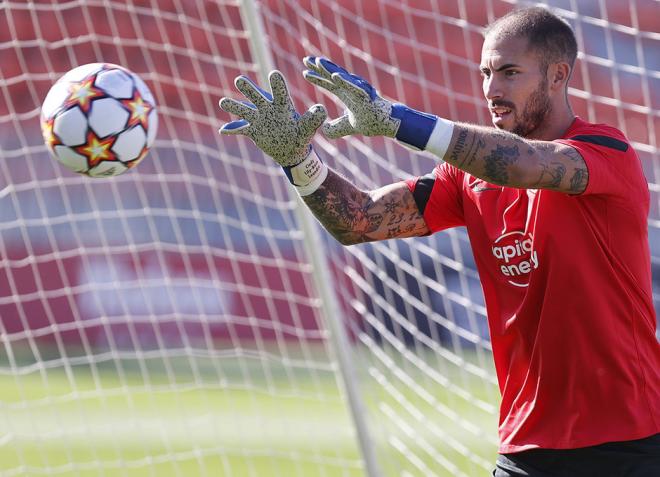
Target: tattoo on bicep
(571, 153)
(395, 219)
(579, 180)
(551, 175)
(390, 206)
(394, 232)
(497, 163)
(580, 177)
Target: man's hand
(271, 121)
(368, 113)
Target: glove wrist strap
(440, 138)
(422, 131)
(307, 175)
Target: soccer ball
(99, 119)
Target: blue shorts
(638, 458)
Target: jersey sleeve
(439, 197)
(612, 164)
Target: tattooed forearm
(485, 153)
(498, 162)
(344, 211)
(457, 153)
(505, 159)
(354, 216)
(463, 156)
(472, 155)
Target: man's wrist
(307, 175)
(415, 127)
(422, 131)
(440, 138)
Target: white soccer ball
(99, 119)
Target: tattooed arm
(354, 216)
(505, 159)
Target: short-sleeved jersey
(567, 286)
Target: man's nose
(492, 88)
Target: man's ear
(558, 75)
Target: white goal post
(189, 317)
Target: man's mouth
(500, 111)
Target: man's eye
(510, 72)
(485, 74)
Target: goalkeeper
(556, 209)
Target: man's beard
(536, 109)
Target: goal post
(252, 19)
(190, 317)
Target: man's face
(514, 85)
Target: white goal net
(173, 320)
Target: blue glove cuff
(415, 127)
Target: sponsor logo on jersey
(516, 257)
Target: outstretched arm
(506, 159)
(496, 156)
(348, 213)
(355, 216)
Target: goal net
(189, 317)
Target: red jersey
(567, 285)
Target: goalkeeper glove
(370, 114)
(271, 121)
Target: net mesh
(165, 322)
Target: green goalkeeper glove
(370, 114)
(271, 121)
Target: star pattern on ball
(97, 149)
(50, 137)
(139, 109)
(82, 93)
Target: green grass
(233, 417)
